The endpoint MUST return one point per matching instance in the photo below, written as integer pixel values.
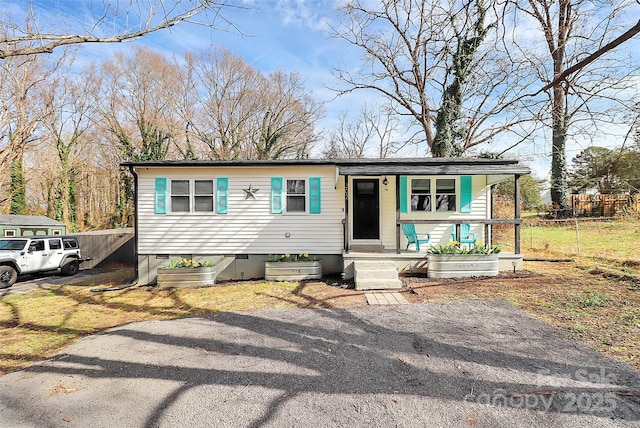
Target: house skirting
(251, 266)
(228, 266)
(416, 263)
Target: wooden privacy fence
(603, 205)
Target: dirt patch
(598, 308)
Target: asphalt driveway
(460, 364)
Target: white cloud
(311, 14)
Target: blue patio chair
(412, 237)
(466, 236)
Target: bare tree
(242, 114)
(385, 125)
(289, 114)
(436, 63)
(66, 129)
(108, 22)
(583, 88)
(226, 90)
(373, 133)
(137, 105)
(22, 107)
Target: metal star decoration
(250, 193)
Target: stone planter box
(462, 265)
(186, 277)
(292, 271)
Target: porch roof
(432, 166)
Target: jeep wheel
(71, 268)
(8, 276)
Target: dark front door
(366, 209)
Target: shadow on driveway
(472, 363)
(30, 282)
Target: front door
(366, 209)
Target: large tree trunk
(559, 184)
(447, 142)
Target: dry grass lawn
(595, 298)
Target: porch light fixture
(385, 181)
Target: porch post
(346, 214)
(489, 227)
(397, 214)
(516, 213)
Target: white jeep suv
(33, 254)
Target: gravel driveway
(460, 364)
(27, 283)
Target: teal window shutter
(466, 193)
(314, 195)
(161, 195)
(404, 198)
(276, 195)
(222, 195)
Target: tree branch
(39, 43)
(589, 59)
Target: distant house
(28, 225)
(237, 213)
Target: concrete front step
(375, 284)
(363, 274)
(378, 275)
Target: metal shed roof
(28, 220)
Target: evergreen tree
(609, 171)
(18, 188)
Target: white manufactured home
(238, 213)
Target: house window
(192, 196)
(296, 196)
(180, 196)
(433, 194)
(421, 194)
(445, 194)
(10, 233)
(203, 196)
(57, 233)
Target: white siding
(248, 227)
(388, 207)
(441, 233)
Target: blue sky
(271, 35)
(287, 35)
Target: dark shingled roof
(418, 166)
